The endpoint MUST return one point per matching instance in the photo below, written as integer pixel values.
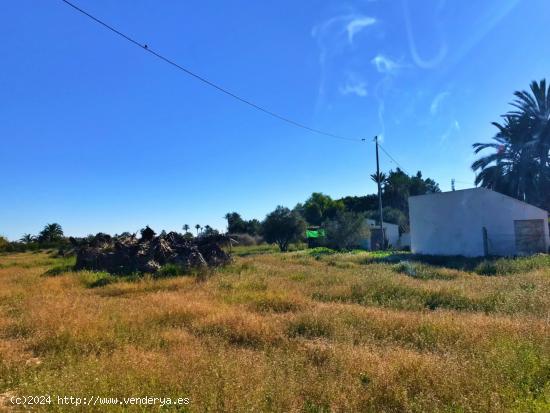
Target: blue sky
(98, 135)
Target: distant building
(476, 222)
(391, 233)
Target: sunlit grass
(304, 331)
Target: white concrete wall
(391, 230)
(392, 234)
(500, 222)
(450, 223)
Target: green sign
(315, 233)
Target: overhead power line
(145, 47)
(392, 159)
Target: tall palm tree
(197, 227)
(534, 107)
(186, 228)
(51, 233)
(519, 164)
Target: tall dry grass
(280, 332)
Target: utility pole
(379, 192)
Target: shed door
(529, 236)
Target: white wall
(391, 231)
(450, 223)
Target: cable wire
(208, 82)
(392, 158)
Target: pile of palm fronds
(149, 253)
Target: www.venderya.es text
(94, 400)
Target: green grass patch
(320, 252)
(386, 293)
(171, 270)
(96, 279)
(508, 266)
(412, 264)
(59, 270)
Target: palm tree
(519, 164)
(197, 227)
(27, 238)
(186, 228)
(380, 177)
(534, 107)
(51, 233)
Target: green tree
(4, 243)
(360, 203)
(208, 231)
(396, 190)
(51, 233)
(420, 186)
(237, 225)
(186, 228)
(398, 186)
(253, 227)
(346, 229)
(282, 227)
(519, 162)
(319, 207)
(198, 227)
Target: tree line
(344, 218)
(51, 236)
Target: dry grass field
(294, 332)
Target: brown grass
(280, 332)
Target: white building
(391, 232)
(476, 222)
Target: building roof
(474, 190)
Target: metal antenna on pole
(379, 192)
